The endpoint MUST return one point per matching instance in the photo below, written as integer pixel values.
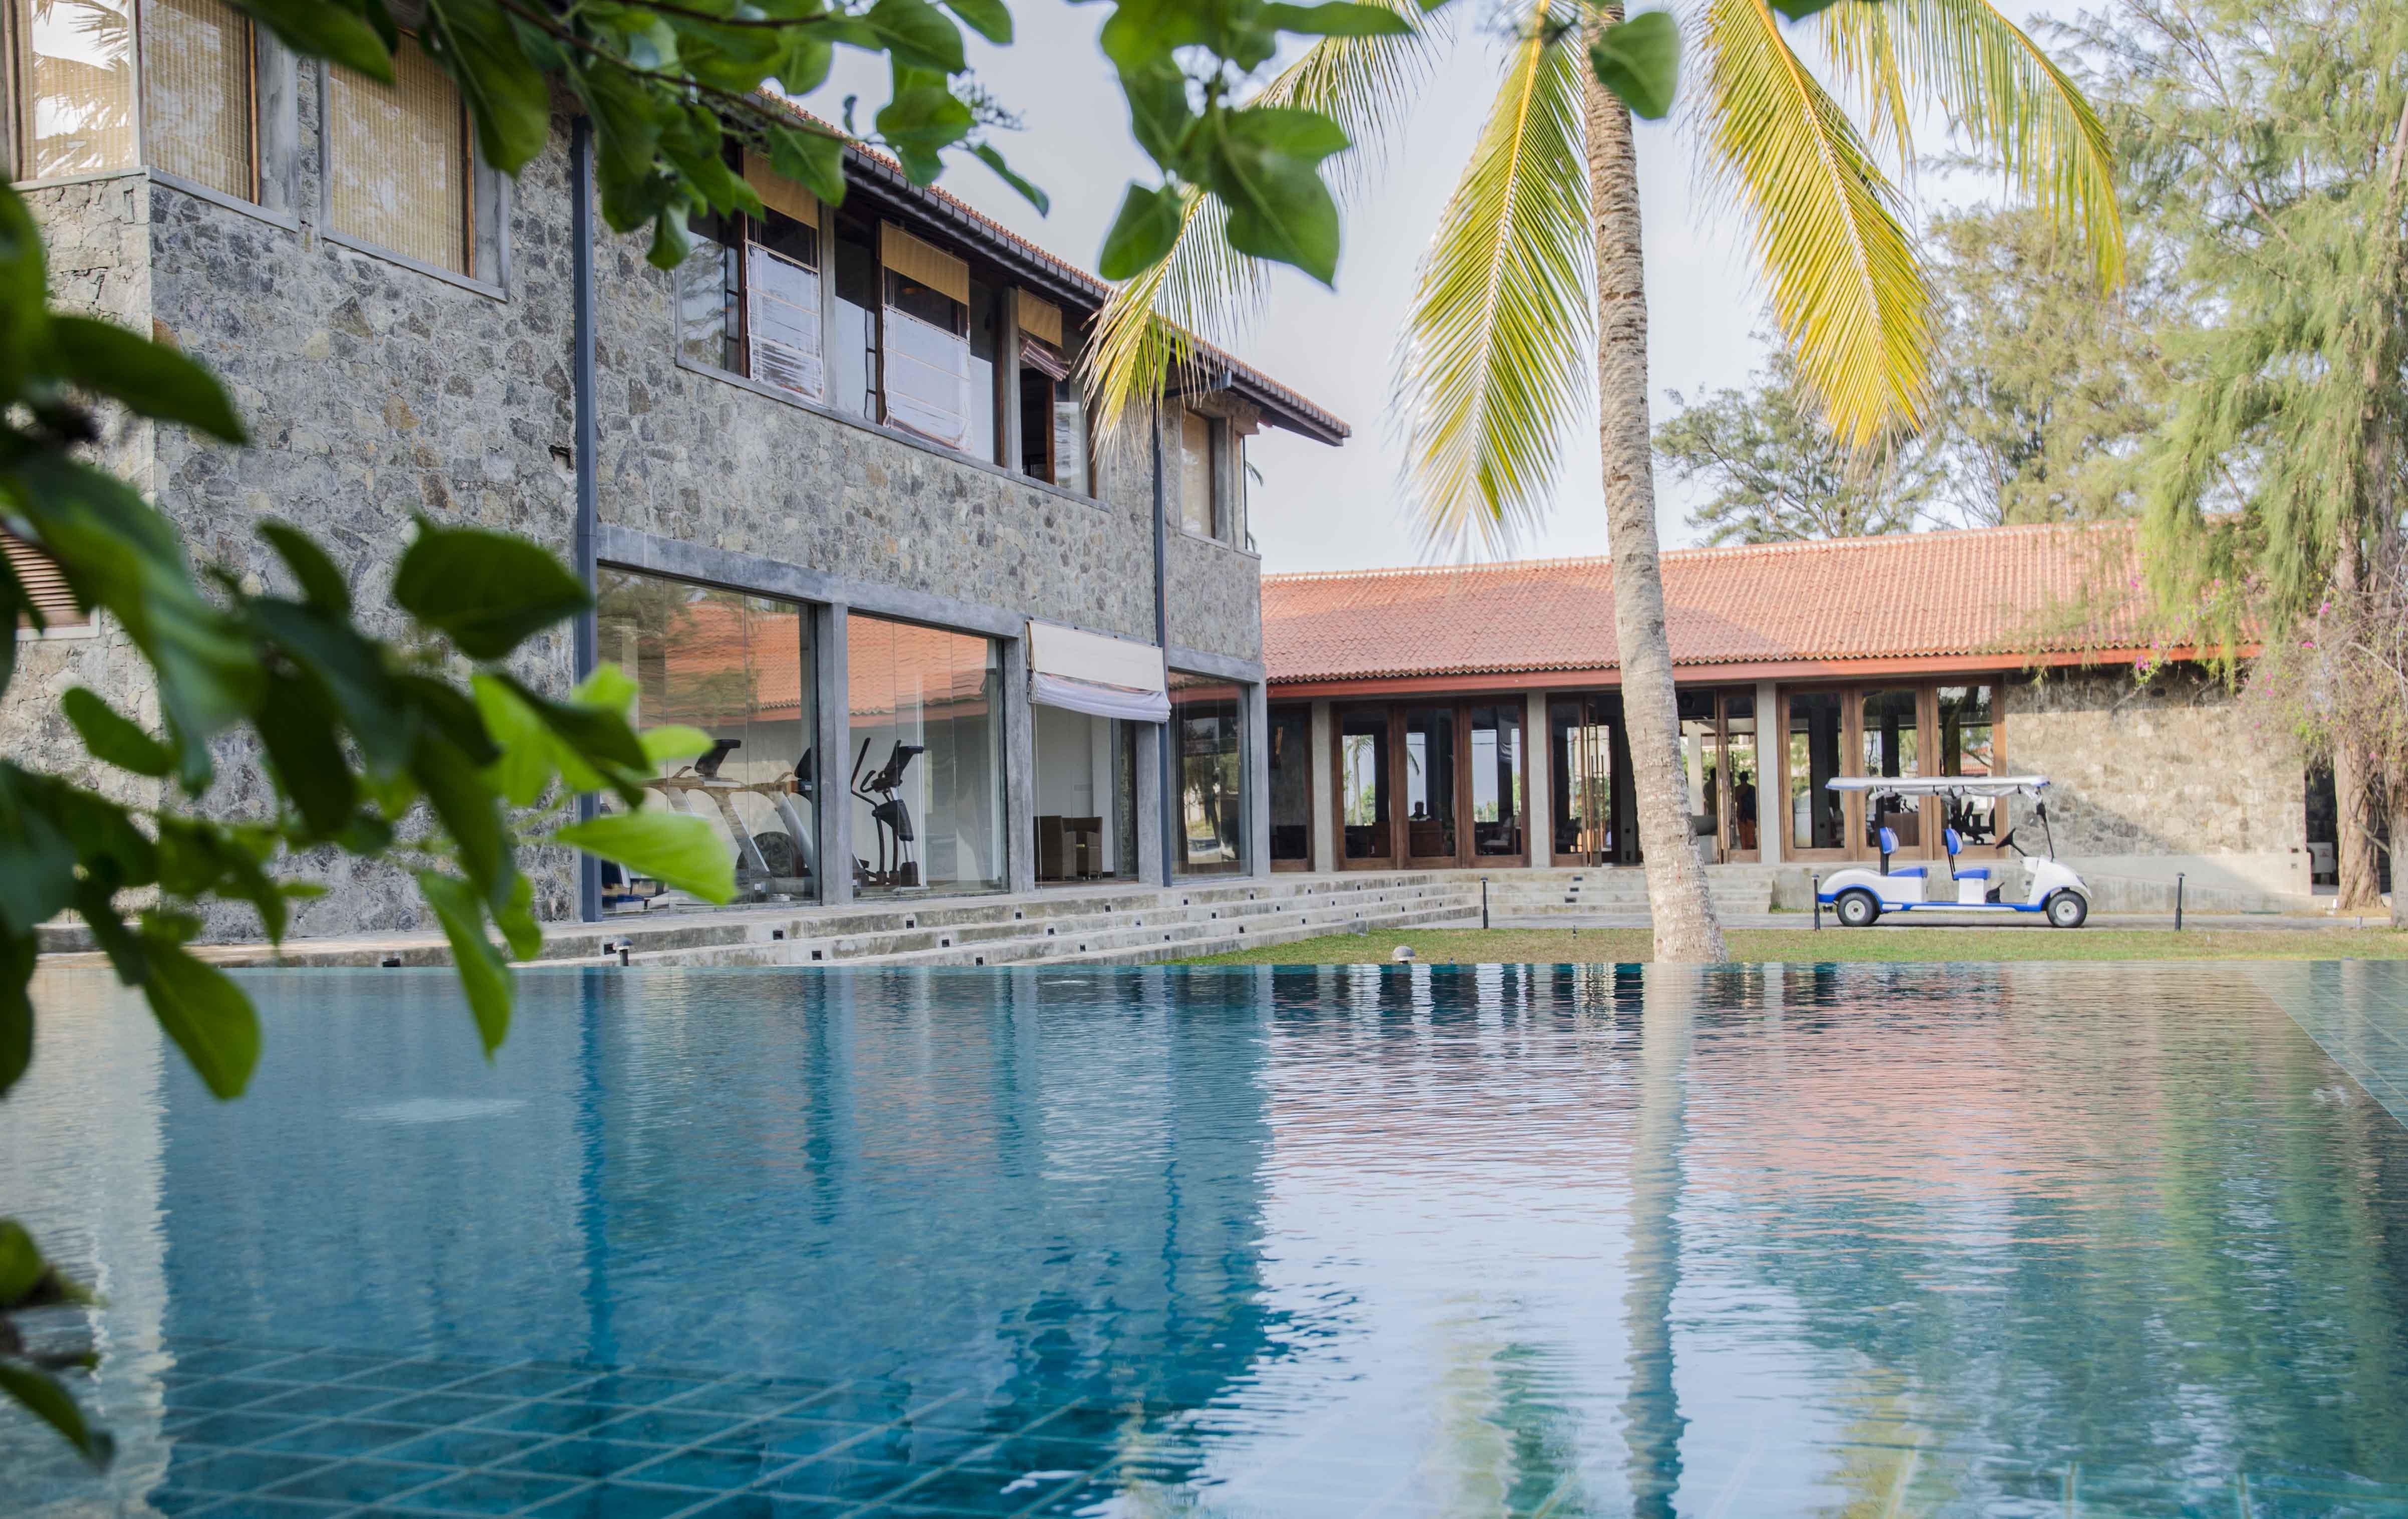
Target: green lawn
(1568, 946)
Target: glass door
(1363, 806)
(1813, 740)
(1430, 772)
(1291, 767)
(1585, 784)
(1498, 823)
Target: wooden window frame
(256, 196)
(1400, 855)
(1854, 847)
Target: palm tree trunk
(1677, 901)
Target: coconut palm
(1535, 269)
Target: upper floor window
(73, 79)
(397, 165)
(199, 70)
(38, 575)
(1199, 438)
(927, 332)
(1053, 412)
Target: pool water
(1242, 1243)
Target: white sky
(1320, 508)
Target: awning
(1102, 676)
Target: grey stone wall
(2172, 767)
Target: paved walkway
(2274, 922)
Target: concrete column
(1542, 789)
(1254, 738)
(1324, 786)
(832, 740)
(1772, 801)
(1019, 770)
(1151, 867)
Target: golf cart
(1860, 895)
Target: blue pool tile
(226, 1360)
(236, 1428)
(259, 1506)
(239, 1471)
(491, 1492)
(359, 1481)
(443, 1407)
(584, 1457)
(751, 1397)
(720, 1469)
(619, 1500)
(325, 1399)
(794, 1437)
(1034, 1452)
(860, 1405)
(550, 1418)
(526, 1382)
(217, 1394)
(342, 1436)
(465, 1447)
(180, 1500)
(916, 1446)
(1081, 1423)
(638, 1391)
(775, 1506)
(411, 1376)
(839, 1476)
(979, 1492)
(327, 1366)
(976, 1414)
(666, 1426)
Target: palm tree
(1537, 256)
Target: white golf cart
(1860, 895)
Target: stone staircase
(1533, 896)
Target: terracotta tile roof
(1991, 591)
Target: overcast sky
(1320, 508)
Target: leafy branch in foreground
(425, 750)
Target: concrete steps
(1618, 891)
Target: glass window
(1082, 812)
(1206, 714)
(1580, 735)
(75, 62)
(1291, 799)
(925, 771)
(985, 319)
(1816, 815)
(739, 669)
(1069, 442)
(1496, 811)
(853, 344)
(1739, 764)
(1363, 783)
(1891, 747)
(710, 294)
(782, 303)
(1429, 783)
(1967, 729)
(1195, 473)
(197, 117)
(1702, 756)
(397, 161)
(927, 360)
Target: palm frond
(1146, 337)
(1500, 343)
(1829, 227)
(2007, 97)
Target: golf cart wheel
(1858, 910)
(2067, 910)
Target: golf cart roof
(1942, 785)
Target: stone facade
(376, 391)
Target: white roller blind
(398, 158)
(928, 377)
(782, 321)
(1087, 672)
(197, 117)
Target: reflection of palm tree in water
(1666, 997)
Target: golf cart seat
(1888, 847)
(1957, 843)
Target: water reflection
(1446, 1242)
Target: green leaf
(467, 806)
(490, 592)
(18, 953)
(484, 975)
(527, 764)
(113, 738)
(516, 918)
(1159, 113)
(21, 1264)
(1338, 19)
(1264, 163)
(316, 29)
(989, 18)
(322, 586)
(923, 118)
(814, 160)
(917, 34)
(1640, 60)
(683, 851)
(1143, 234)
(674, 744)
(38, 862)
(39, 1394)
(149, 378)
(986, 153)
(509, 98)
(296, 726)
(204, 1012)
(349, 665)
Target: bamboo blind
(38, 573)
(779, 194)
(197, 93)
(912, 259)
(398, 159)
(75, 114)
(1038, 318)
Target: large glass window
(1291, 799)
(1429, 783)
(1583, 785)
(1206, 714)
(1738, 768)
(397, 162)
(1969, 746)
(739, 669)
(1496, 809)
(926, 772)
(1086, 798)
(74, 87)
(197, 116)
(1363, 783)
(1818, 817)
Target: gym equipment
(881, 790)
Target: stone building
(845, 508)
(1458, 718)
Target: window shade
(197, 117)
(928, 377)
(38, 573)
(782, 321)
(76, 61)
(398, 161)
(1195, 473)
(779, 194)
(1038, 319)
(917, 261)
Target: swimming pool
(1950, 1240)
